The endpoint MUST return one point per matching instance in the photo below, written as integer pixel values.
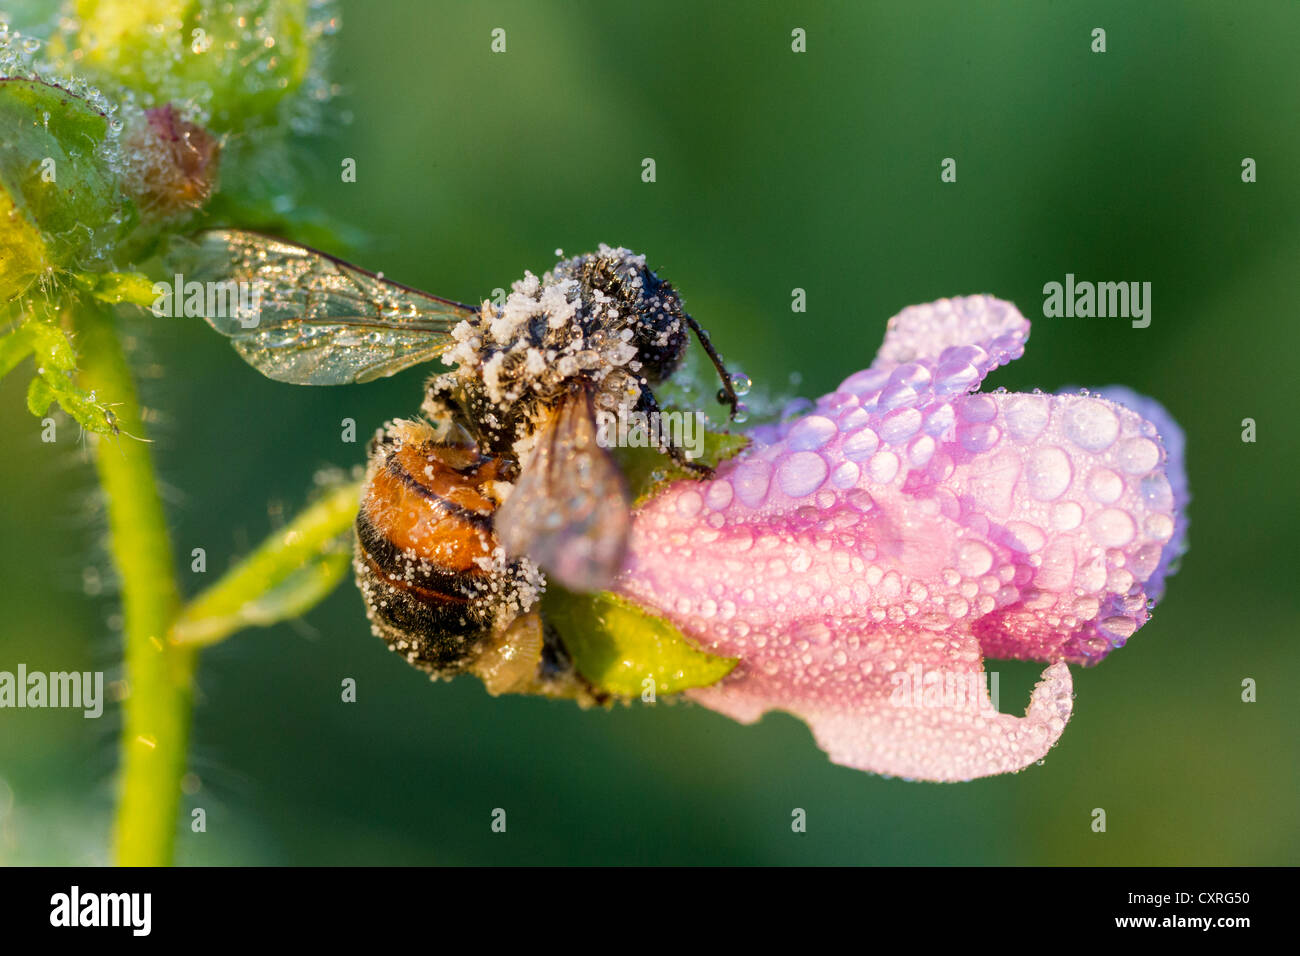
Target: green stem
(284, 577)
(157, 707)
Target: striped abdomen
(427, 560)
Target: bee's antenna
(728, 395)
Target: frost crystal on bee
(602, 321)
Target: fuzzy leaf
(616, 645)
(61, 204)
(22, 253)
(234, 58)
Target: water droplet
(1111, 528)
(1047, 473)
(801, 473)
(1137, 456)
(1160, 527)
(845, 475)
(973, 558)
(718, 495)
(1104, 486)
(883, 467)
(978, 408)
(750, 481)
(1024, 537)
(1091, 425)
(861, 445)
(978, 438)
(1026, 417)
(811, 433)
(689, 503)
(920, 451)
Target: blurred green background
(775, 170)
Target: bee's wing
(318, 320)
(569, 510)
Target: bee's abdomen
(425, 548)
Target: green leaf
(616, 645)
(22, 253)
(60, 203)
(287, 575)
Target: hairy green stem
(159, 675)
(286, 575)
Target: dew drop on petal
(920, 451)
(1104, 486)
(939, 419)
(900, 425)
(1091, 425)
(811, 433)
(719, 494)
(1137, 456)
(751, 480)
(861, 445)
(979, 408)
(1111, 528)
(689, 503)
(1159, 527)
(1119, 626)
(1026, 417)
(973, 558)
(883, 467)
(1024, 537)
(979, 437)
(845, 475)
(802, 473)
(1156, 492)
(1047, 473)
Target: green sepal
(618, 646)
(118, 287)
(648, 470)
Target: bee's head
(626, 299)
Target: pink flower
(862, 560)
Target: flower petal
(1175, 470)
(941, 348)
(904, 523)
(898, 728)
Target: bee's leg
(508, 661)
(728, 394)
(648, 404)
(443, 410)
(527, 657)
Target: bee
(503, 482)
